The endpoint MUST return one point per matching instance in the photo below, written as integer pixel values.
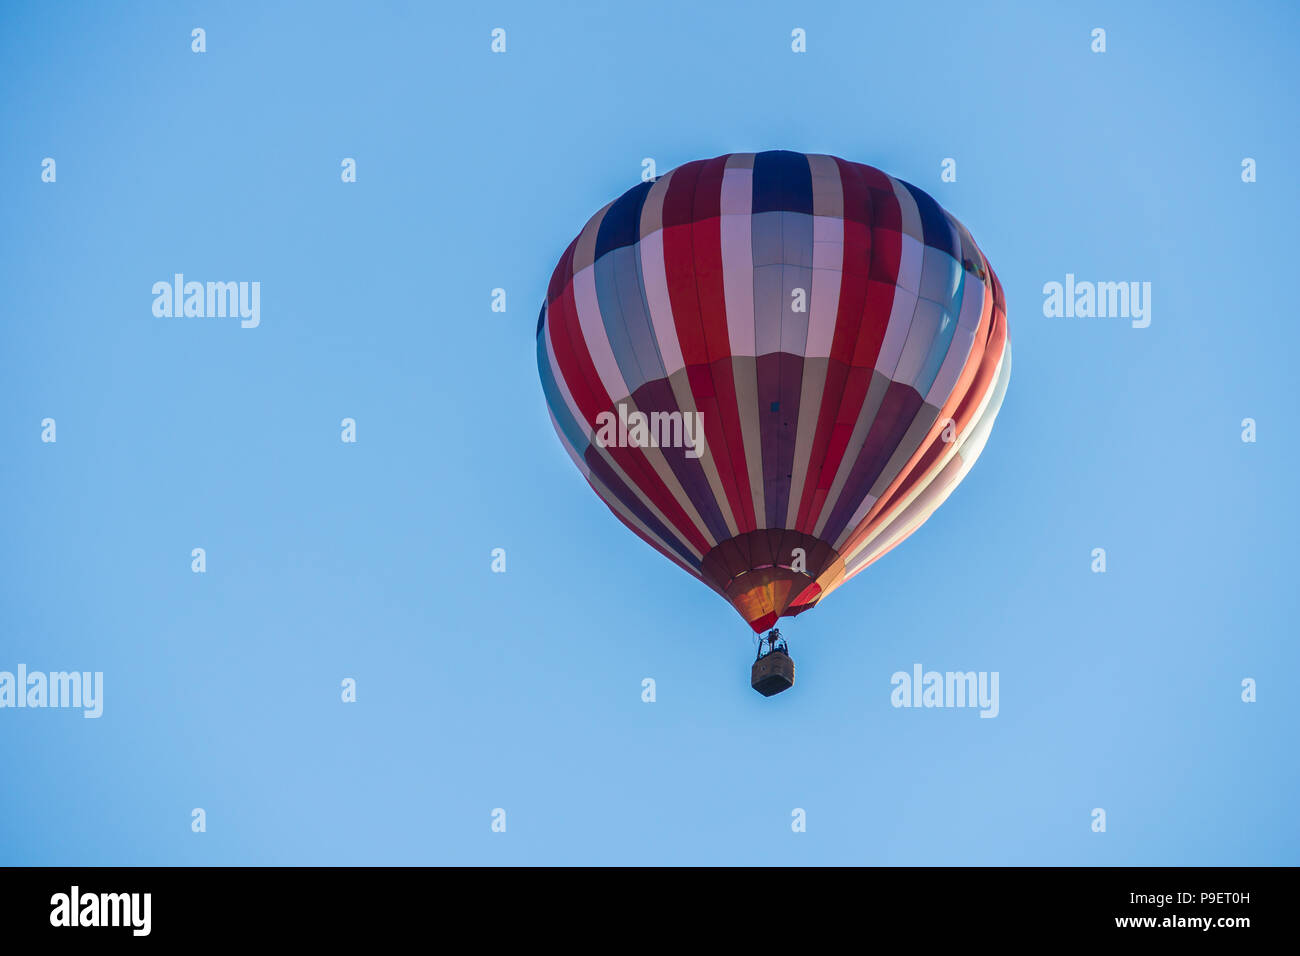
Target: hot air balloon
(773, 367)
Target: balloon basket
(772, 673)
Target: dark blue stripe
(782, 182)
(622, 224)
(934, 222)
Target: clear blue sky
(523, 690)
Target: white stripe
(654, 275)
(828, 277)
(593, 333)
(738, 258)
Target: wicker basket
(772, 673)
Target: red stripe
(699, 308)
(571, 356)
(563, 272)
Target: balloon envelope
(773, 367)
